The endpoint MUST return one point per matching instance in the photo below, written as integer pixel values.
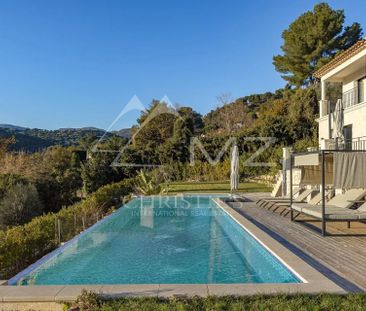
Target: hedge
(20, 246)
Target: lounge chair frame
(324, 219)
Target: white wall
(356, 116)
(351, 81)
(323, 128)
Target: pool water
(163, 240)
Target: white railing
(357, 143)
(350, 98)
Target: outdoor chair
(263, 201)
(286, 201)
(315, 199)
(338, 208)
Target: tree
(312, 40)
(97, 171)
(19, 205)
(8, 181)
(164, 134)
(291, 118)
(273, 121)
(176, 149)
(155, 125)
(195, 117)
(234, 116)
(4, 145)
(57, 177)
(303, 109)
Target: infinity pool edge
(313, 281)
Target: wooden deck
(340, 258)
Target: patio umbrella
(234, 169)
(338, 120)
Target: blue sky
(73, 63)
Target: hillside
(237, 115)
(12, 127)
(32, 140)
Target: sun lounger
(317, 198)
(332, 213)
(300, 199)
(286, 202)
(348, 199)
(264, 201)
(337, 208)
(261, 202)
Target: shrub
(87, 300)
(148, 184)
(19, 205)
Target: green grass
(214, 187)
(277, 302)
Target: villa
(348, 69)
(347, 73)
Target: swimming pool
(162, 240)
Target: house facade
(349, 70)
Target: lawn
(214, 187)
(277, 302)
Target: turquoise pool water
(176, 240)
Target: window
(361, 90)
(347, 134)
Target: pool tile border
(314, 281)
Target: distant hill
(25, 142)
(81, 129)
(126, 133)
(11, 126)
(32, 140)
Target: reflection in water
(147, 217)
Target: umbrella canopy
(234, 169)
(338, 120)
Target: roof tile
(341, 58)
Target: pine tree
(311, 41)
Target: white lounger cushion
(316, 199)
(345, 200)
(331, 212)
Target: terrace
(340, 258)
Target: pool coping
(313, 281)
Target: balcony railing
(357, 143)
(350, 98)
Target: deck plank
(341, 258)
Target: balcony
(350, 98)
(354, 96)
(357, 143)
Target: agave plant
(148, 184)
